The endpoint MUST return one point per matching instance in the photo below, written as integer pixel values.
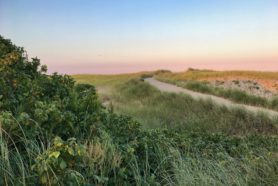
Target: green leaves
(54, 154)
(70, 151)
(53, 102)
(59, 159)
(63, 164)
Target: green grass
(178, 111)
(104, 80)
(165, 158)
(211, 145)
(207, 74)
(234, 95)
(182, 114)
(105, 84)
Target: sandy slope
(196, 95)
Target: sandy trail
(166, 87)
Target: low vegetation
(191, 82)
(56, 132)
(185, 118)
(155, 109)
(105, 80)
(195, 74)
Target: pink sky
(111, 36)
(175, 67)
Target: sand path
(166, 87)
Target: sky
(120, 36)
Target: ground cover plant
(56, 132)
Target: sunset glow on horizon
(106, 36)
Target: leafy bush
(58, 163)
(54, 131)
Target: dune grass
(105, 84)
(235, 95)
(190, 80)
(104, 80)
(178, 111)
(211, 145)
(194, 74)
(163, 158)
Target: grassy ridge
(206, 74)
(235, 95)
(104, 80)
(189, 80)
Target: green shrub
(58, 163)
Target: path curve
(166, 87)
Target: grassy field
(156, 109)
(129, 95)
(208, 132)
(104, 80)
(106, 83)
